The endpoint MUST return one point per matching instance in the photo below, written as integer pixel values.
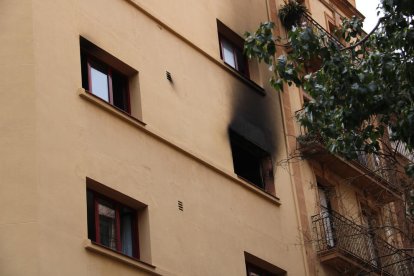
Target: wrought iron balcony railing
(402, 149)
(338, 236)
(378, 166)
(374, 172)
(310, 22)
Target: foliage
(358, 90)
(291, 13)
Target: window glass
(120, 91)
(126, 231)
(228, 53)
(99, 84)
(91, 216)
(241, 62)
(107, 226)
(112, 224)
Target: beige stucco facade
(172, 150)
(55, 135)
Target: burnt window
(105, 76)
(251, 162)
(231, 49)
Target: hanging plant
(291, 13)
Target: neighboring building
(357, 217)
(138, 140)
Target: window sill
(93, 247)
(251, 186)
(110, 108)
(257, 88)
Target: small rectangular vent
(180, 206)
(169, 77)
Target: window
(231, 49)
(332, 28)
(258, 267)
(326, 215)
(106, 83)
(253, 270)
(409, 202)
(112, 224)
(105, 76)
(252, 163)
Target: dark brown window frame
(253, 270)
(257, 266)
(225, 34)
(94, 234)
(94, 57)
(92, 62)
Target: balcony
(402, 149)
(352, 249)
(369, 172)
(310, 22)
(380, 168)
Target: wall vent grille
(168, 75)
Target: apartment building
(135, 138)
(138, 140)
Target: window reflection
(107, 226)
(228, 53)
(99, 84)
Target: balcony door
(369, 219)
(326, 215)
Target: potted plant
(291, 13)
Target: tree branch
(367, 36)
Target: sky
(368, 8)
